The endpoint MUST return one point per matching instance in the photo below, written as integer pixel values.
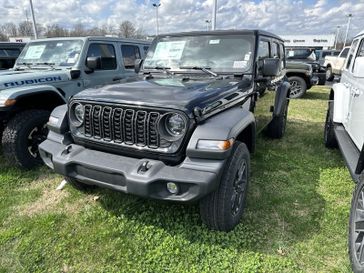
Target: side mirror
(358, 69)
(138, 65)
(93, 63)
(270, 67)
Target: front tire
(329, 133)
(21, 137)
(223, 209)
(356, 229)
(329, 75)
(298, 87)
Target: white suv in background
(344, 128)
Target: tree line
(125, 29)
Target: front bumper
(195, 178)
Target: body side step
(348, 149)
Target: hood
(298, 65)
(13, 78)
(174, 93)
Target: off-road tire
(329, 75)
(329, 133)
(15, 139)
(277, 127)
(79, 185)
(298, 87)
(216, 209)
(354, 237)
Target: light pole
(208, 22)
(337, 35)
(33, 18)
(156, 14)
(214, 9)
(348, 27)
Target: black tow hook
(67, 150)
(146, 165)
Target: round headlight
(79, 112)
(175, 124)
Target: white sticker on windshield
(34, 52)
(290, 53)
(214, 42)
(59, 44)
(169, 50)
(247, 56)
(240, 64)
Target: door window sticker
(290, 53)
(214, 42)
(169, 50)
(247, 56)
(34, 52)
(240, 64)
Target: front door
(355, 125)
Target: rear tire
(329, 75)
(79, 185)
(277, 127)
(298, 87)
(329, 133)
(21, 137)
(222, 209)
(356, 231)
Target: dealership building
(310, 41)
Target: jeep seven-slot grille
(122, 125)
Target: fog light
(172, 187)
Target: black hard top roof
(11, 44)
(224, 32)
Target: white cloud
(278, 16)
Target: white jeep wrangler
(344, 128)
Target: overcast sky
(278, 16)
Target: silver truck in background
(46, 74)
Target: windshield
(301, 54)
(57, 53)
(224, 53)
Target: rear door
(355, 125)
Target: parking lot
(296, 218)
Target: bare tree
(56, 31)
(127, 30)
(25, 28)
(9, 29)
(78, 30)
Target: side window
(275, 50)
(263, 51)
(12, 52)
(130, 54)
(360, 52)
(344, 53)
(145, 48)
(351, 53)
(106, 52)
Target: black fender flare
(282, 94)
(223, 126)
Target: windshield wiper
(204, 69)
(45, 63)
(164, 68)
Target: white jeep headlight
(175, 124)
(77, 114)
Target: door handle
(356, 92)
(117, 79)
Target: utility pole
(348, 27)
(337, 36)
(214, 10)
(33, 18)
(156, 14)
(208, 22)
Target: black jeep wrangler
(183, 131)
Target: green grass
(296, 218)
